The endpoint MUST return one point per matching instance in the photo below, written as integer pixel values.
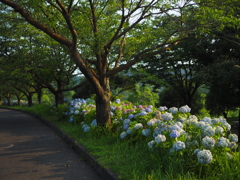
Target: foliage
(168, 138)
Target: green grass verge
(133, 160)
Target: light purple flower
(174, 134)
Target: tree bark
(103, 109)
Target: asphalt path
(30, 150)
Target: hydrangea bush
(174, 130)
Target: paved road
(30, 150)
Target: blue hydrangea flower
(71, 119)
(223, 142)
(204, 157)
(126, 121)
(123, 135)
(130, 116)
(173, 110)
(177, 146)
(184, 109)
(143, 113)
(174, 134)
(151, 144)
(94, 123)
(76, 112)
(208, 142)
(148, 110)
(86, 128)
(146, 132)
(208, 131)
(125, 126)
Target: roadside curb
(106, 174)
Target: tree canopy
(106, 37)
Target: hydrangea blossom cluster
(174, 129)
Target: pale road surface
(30, 150)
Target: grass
(134, 161)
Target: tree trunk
(29, 98)
(9, 103)
(39, 95)
(103, 110)
(59, 98)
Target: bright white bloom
(151, 122)
(208, 142)
(208, 131)
(123, 135)
(162, 108)
(117, 101)
(160, 138)
(184, 109)
(146, 132)
(151, 143)
(177, 146)
(204, 157)
(219, 130)
(167, 116)
(138, 126)
(193, 117)
(223, 142)
(233, 138)
(173, 110)
(94, 123)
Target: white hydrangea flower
(160, 138)
(151, 122)
(209, 131)
(138, 126)
(219, 130)
(162, 108)
(215, 120)
(204, 157)
(223, 142)
(233, 138)
(173, 110)
(167, 116)
(179, 124)
(208, 142)
(207, 120)
(185, 109)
